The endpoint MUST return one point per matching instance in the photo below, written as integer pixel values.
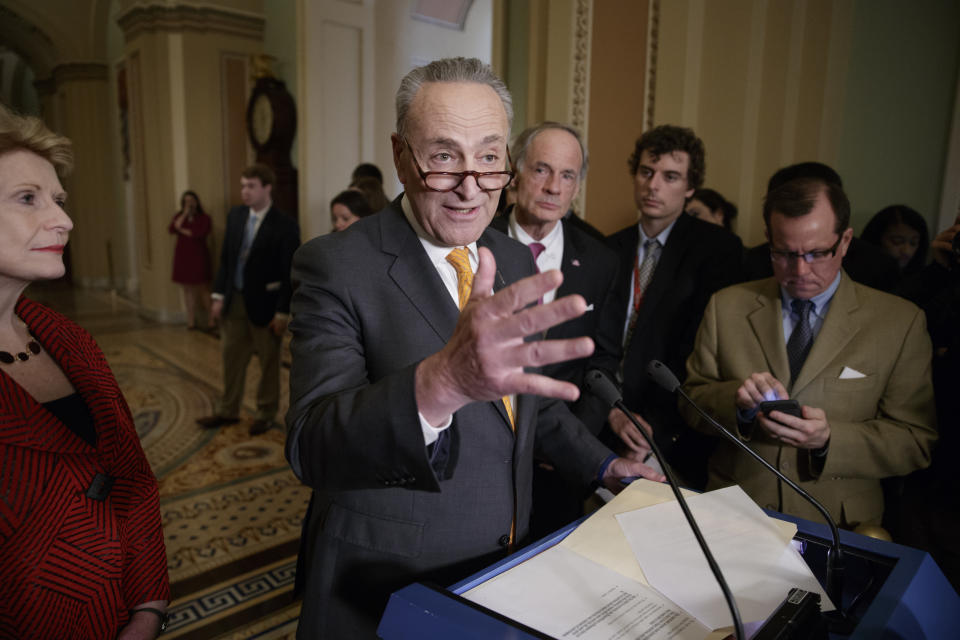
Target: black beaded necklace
(33, 348)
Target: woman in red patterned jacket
(81, 545)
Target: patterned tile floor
(231, 508)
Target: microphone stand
(836, 563)
(599, 384)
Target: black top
(72, 411)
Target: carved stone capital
(141, 19)
(79, 71)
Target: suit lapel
(839, 327)
(573, 275)
(671, 259)
(767, 324)
(414, 274)
(264, 231)
(236, 234)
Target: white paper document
(564, 595)
(758, 564)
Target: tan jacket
(881, 425)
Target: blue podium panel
(911, 598)
(891, 591)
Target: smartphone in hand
(790, 407)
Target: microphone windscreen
(597, 383)
(661, 374)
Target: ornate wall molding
(80, 71)
(653, 40)
(181, 18)
(580, 87)
(580, 98)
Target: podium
(891, 591)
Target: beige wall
(82, 96)
(618, 79)
(761, 83)
(867, 87)
(352, 57)
(188, 102)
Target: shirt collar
(261, 212)
(548, 241)
(435, 251)
(662, 236)
(820, 301)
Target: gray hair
(518, 150)
(449, 70)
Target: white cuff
(430, 433)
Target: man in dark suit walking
(251, 298)
(415, 401)
(551, 162)
(670, 265)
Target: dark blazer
(864, 262)
(698, 259)
(266, 277)
(50, 526)
(387, 511)
(589, 268)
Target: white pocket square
(273, 286)
(590, 307)
(851, 374)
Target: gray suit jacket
(368, 307)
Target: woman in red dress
(191, 259)
(81, 543)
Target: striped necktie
(798, 346)
(642, 275)
(460, 259)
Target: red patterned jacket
(72, 566)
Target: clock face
(262, 119)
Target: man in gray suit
(415, 403)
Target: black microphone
(662, 375)
(600, 385)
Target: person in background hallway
(929, 510)
(372, 190)
(366, 170)
(864, 262)
(902, 234)
(251, 298)
(412, 415)
(709, 206)
(191, 258)
(551, 161)
(81, 544)
(347, 207)
(857, 360)
(670, 264)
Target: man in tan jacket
(856, 359)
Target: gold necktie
(460, 259)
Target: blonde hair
(31, 134)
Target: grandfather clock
(271, 125)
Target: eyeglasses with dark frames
(810, 257)
(444, 181)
